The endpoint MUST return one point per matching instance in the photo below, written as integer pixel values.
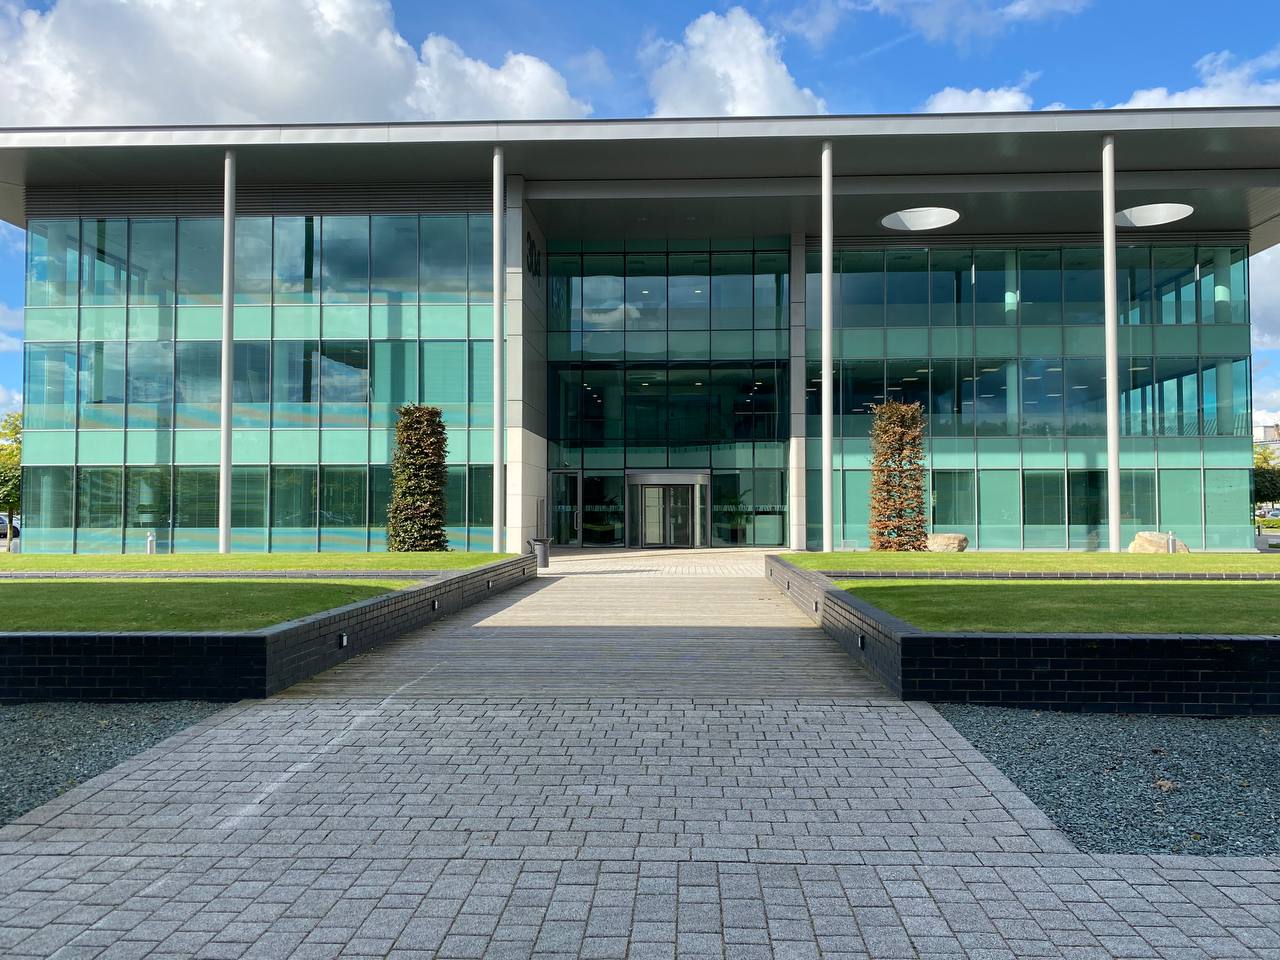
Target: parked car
(1273, 514)
(4, 528)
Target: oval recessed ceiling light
(1153, 214)
(920, 218)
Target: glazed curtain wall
(339, 321)
(676, 359)
(1004, 349)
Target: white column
(796, 487)
(1111, 320)
(828, 353)
(499, 352)
(1222, 285)
(228, 351)
(1012, 401)
(1011, 289)
(1223, 388)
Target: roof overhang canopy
(1007, 174)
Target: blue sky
(126, 61)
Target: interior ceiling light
(1153, 214)
(920, 218)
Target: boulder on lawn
(1153, 541)
(948, 543)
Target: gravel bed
(48, 748)
(1140, 784)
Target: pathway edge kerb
(1192, 674)
(365, 574)
(869, 635)
(233, 665)
(1181, 577)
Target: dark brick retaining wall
(233, 665)
(1150, 673)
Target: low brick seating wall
(234, 665)
(1119, 673)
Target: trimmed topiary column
(415, 515)
(897, 477)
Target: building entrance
(618, 508)
(666, 515)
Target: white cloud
(13, 240)
(10, 399)
(1223, 82)
(962, 20)
(955, 20)
(230, 61)
(451, 85)
(979, 100)
(10, 329)
(727, 65)
(1264, 298)
(816, 20)
(592, 67)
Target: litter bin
(542, 550)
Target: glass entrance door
(566, 518)
(666, 515)
(587, 509)
(680, 516)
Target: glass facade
(672, 361)
(1004, 349)
(339, 321)
(667, 361)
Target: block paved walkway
(610, 762)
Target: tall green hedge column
(415, 515)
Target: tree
(415, 516)
(897, 477)
(10, 469)
(1266, 474)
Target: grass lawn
(265, 562)
(1023, 561)
(1100, 606)
(174, 604)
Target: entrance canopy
(1005, 174)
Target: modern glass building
(664, 323)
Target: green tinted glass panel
(152, 260)
(1181, 505)
(1044, 509)
(53, 263)
(253, 260)
(49, 386)
(296, 270)
(999, 510)
(1228, 521)
(200, 260)
(345, 259)
(104, 252)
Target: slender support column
(828, 352)
(1012, 403)
(228, 349)
(1111, 320)
(1011, 289)
(499, 352)
(796, 487)
(1223, 389)
(1222, 285)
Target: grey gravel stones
(1139, 784)
(48, 748)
